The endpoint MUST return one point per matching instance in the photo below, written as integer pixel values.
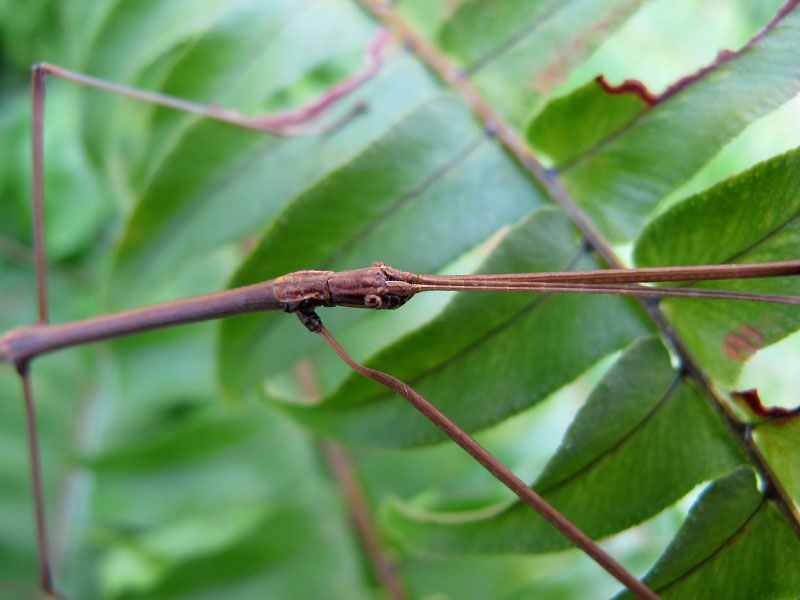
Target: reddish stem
(279, 123)
(724, 56)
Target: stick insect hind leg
(292, 122)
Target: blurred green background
(155, 486)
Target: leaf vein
(719, 548)
(621, 441)
(505, 45)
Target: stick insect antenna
(615, 281)
(638, 275)
(313, 323)
(501, 285)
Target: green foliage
(159, 488)
(730, 527)
(726, 214)
(573, 124)
(621, 178)
(619, 463)
(516, 52)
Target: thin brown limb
(280, 123)
(372, 56)
(619, 290)
(640, 275)
(439, 63)
(37, 182)
(488, 461)
(45, 573)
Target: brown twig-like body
(377, 287)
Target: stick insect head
(377, 286)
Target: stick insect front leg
(293, 122)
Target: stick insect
(375, 287)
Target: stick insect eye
(373, 301)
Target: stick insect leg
(45, 572)
(37, 98)
(289, 122)
(285, 123)
(487, 460)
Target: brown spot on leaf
(629, 86)
(753, 402)
(742, 343)
(247, 243)
(753, 334)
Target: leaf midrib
(512, 40)
(624, 439)
(727, 542)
